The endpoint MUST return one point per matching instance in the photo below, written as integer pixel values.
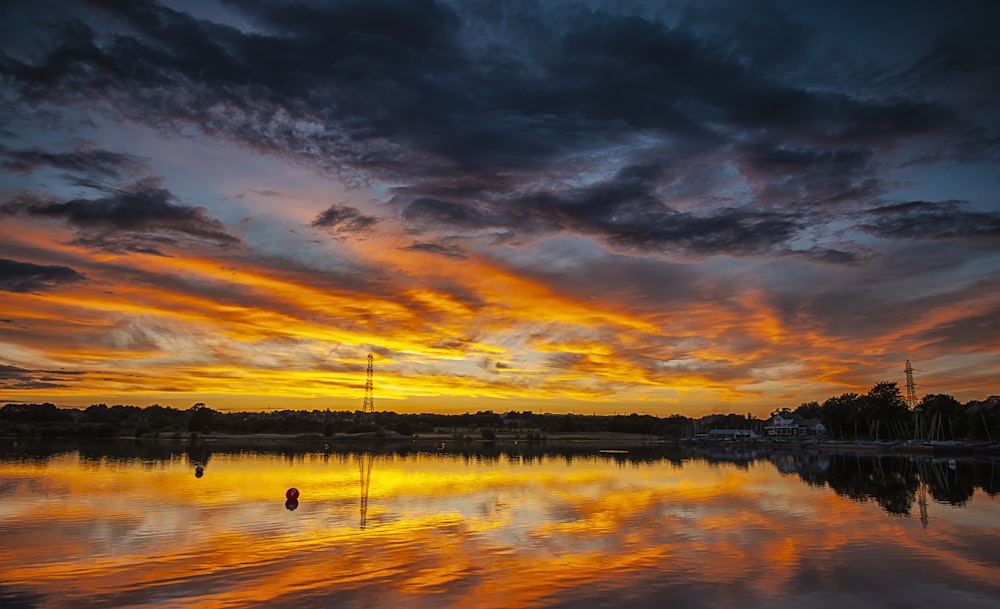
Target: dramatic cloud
(450, 251)
(707, 201)
(137, 218)
(18, 276)
(926, 220)
(344, 220)
(401, 90)
(13, 377)
(87, 162)
(622, 214)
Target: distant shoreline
(596, 440)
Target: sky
(591, 207)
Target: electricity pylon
(911, 388)
(368, 407)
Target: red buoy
(292, 493)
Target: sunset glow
(589, 208)
(444, 531)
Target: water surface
(131, 525)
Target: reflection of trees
(811, 468)
(198, 454)
(896, 483)
(886, 480)
(946, 483)
(125, 451)
(987, 476)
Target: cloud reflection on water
(446, 531)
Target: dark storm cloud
(15, 377)
(653, 76)
(434, 212)
(624, 213)
(967, 57)
(830, 255)
(17, 276)
(97, 163)
(344, 220)
(962, 68)
(653, 227)
(797, 176)
(522, 102)
(933, 220)
(135, 218)
(139, 217)
(351, 72)
(449, 251)
(401, 70)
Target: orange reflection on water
(447, 531)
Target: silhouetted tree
(35, 413)
(201, 418)
(885, 409)
(842, 414)
(945, 412)
(809, 410)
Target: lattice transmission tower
(368, 407)
(911, 388)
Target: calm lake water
(131, 525)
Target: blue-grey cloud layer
(535, 119)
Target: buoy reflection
(291, 499)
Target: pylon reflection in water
(365, 462)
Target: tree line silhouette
(881, 413)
